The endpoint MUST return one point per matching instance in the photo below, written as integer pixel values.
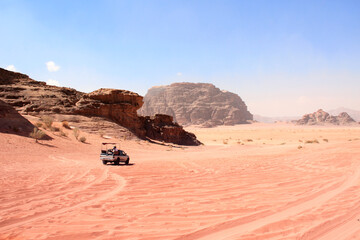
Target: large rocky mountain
(321, 117)
(196, 104)
(30, 97)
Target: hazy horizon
(283, 58)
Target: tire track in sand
(235, 232)
(120, 184)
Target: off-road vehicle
(109, 154)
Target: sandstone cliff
(196, 104)
(321, 117)
(31, 97)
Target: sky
(282, 57)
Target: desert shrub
(48, 121)
(38, 124)
(82, 139)
(55, 129)
(312, 141)
(66, 125)
(76, 132)
(62, 133)
(37, 134)
(249, 140)
(300, 147)
(326, 140)
(282, 143)
(225, 141)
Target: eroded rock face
(196, 104)
(161, 127)
(36, 98)
(12, 122)
(321, 117)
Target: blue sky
(282, 57)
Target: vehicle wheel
(127, 161)
(104, 162)
(117, 162)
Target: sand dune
(246, 182)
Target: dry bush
(76, 132)
(48, 121)
(312, 141)
(55, 129)
(300, 147)
(38, 124)
(66, 125)
(326, 140)
(82, 139)
(225, 141)
(282, 143)
(62, 133)
(37, 134)
(249, 140)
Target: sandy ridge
(106, 175)
(238, 231)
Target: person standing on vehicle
(115, 150)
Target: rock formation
(322, 117)
(31, 97)
(196, 104)
(12, 122)
(354, 114)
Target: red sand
(264, 189)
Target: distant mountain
(321, 117)
(196, 104)
(263, 119)
(355, 114)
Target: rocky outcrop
(161, 127)
(121, 106)
(12, 122)
(196, 104)
(33, 97)
(28, 96)
(354, 114)
(321, 117)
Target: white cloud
(11, 68)
(52, 67)
(53, 82)
(179, 74)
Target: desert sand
(258, 181)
